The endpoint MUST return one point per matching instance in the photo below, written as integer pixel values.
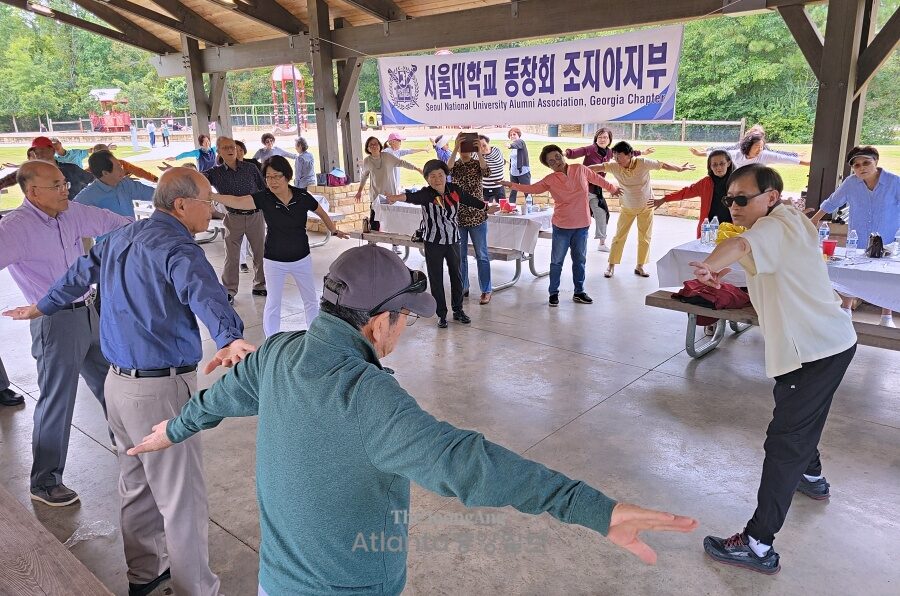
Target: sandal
(608, 274)
(641, 273)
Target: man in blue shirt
(873, 194)
(73, 156)
(158, 280)
(112, 189)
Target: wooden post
(843, 32)
(683, 129)
(348, 114)
(49, 122)
(633, 130)
(321, 53)
(15, 124)
(858, 108)
(743, 128)
(198, 102)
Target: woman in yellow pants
(633, 176)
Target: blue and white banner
(632, 76)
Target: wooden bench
(741, 319)
(495, 254)
(34, 562)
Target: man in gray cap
(339, 441)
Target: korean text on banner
(632, 76)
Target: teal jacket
(338, 442)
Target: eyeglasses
(411, 317)
(209, 202)
(65, 186)
(418, 284)
(274, 178)
(740, 199)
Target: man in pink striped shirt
(568, 185)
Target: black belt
(241, 211)
(153, 372)
(75, 305)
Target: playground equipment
(114, 118)
(282, 120)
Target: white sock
(812, 478)
(848, 311)
(758, 547)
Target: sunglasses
(417, 285)
(741, 200)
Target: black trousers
(802, 400)
(435, 255)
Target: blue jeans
(568, 240)
(479, 241)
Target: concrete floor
(604, 393)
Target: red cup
(828, 247)
(504, 203)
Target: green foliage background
(731, 68)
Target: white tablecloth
(515, 232)
(876, 281)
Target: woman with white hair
(304, 165)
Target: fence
(699, 131)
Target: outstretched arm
(244, 202)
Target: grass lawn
(795, 177)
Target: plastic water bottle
(704, 231)
(824, 232)
(714, 230)
(897, 245)
(529, 203)
(852, 243)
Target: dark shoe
(736, 551)
(817, 490)
(144, 589)
(442, 323)
(462, 317)
(582, 298)
(485, 298)
(8, 397)
(466, 294)
(245, 268)
(261, 292)
(231, 299)
(554, 300)
(55, 496)
(641, 273)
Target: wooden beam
(858, 109)
(271, 14)
(805, 34)
(128, 32)
(322, 64)
(198, 102)
(843, 33)
(348, 77)
(490, 24)
(190, 24)
(386, 10)
(878, 51)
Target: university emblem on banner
(404, 88)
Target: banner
(632, 76)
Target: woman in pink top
(568, 186)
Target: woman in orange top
(710, 189)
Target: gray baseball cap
(376, 280)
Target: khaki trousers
(164, 512)
(645, 230)
(236, 227)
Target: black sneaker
(582, 298)
(736, 551)
(462, 317)
(55, 496)
(442, 323)
(554, 300)
(8, 397)
(245, 268)
(260, 292)
(145, 589)
(817, 489)
(466, 294)
(231, 299)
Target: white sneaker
(603, 248)
(887, 321)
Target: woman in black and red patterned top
(440, 202)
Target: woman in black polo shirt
(284, 208)
(440, 202)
